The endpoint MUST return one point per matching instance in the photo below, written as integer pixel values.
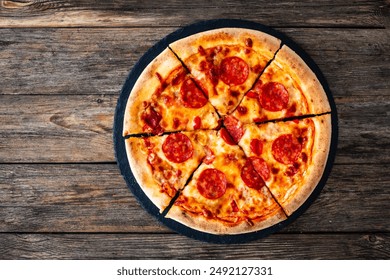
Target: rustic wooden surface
(62, 65)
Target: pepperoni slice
(273, 97)
(252, 94)
(226, 136)
(261, 167)
(176, 123)
(179, 77)
(152, 120)
(233, 70)
(177, 148)
(256, 146)
(197, 122)
(250, 177)
(286, 149)
(191, 95)
(212, 183)
(234, 127)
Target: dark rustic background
(62, 66)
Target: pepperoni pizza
(227, 131)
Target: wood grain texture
(94, 198)
(31, 13)
(172, 246)
(63, 61)
(78, 128)
(62, 66)
(71, 61)
(57, 128)
(69, 198)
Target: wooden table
(62, 66)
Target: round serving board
(119, 140)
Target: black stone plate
(119, 140)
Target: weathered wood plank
(172, 246)
(78, 128)
(49, 128)
(176, 13)
(62, 61)
(364, 130)
(71, 61)
(70, 198)
(94, 198)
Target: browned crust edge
(199, 222)
(320, 152)
(307, 79)
(263, 43)
(145, 86)
(143, 173)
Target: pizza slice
(290, 156)
(287, 88)
(165, 99)
(225, 194)
(226, 62)
(163, 164)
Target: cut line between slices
(166, 210)
(173, 200)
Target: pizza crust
(212, 226)
(263, 43)
(312, 89)
(320, 152)
(192, 204)
(212, 47)
(148, 83)
(145, 87)
(143, 174)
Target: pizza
(226, 63)
(226, 190)
(165, 98)
(227, 131)
(163, 164)
(289, 156)
(286, 89)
